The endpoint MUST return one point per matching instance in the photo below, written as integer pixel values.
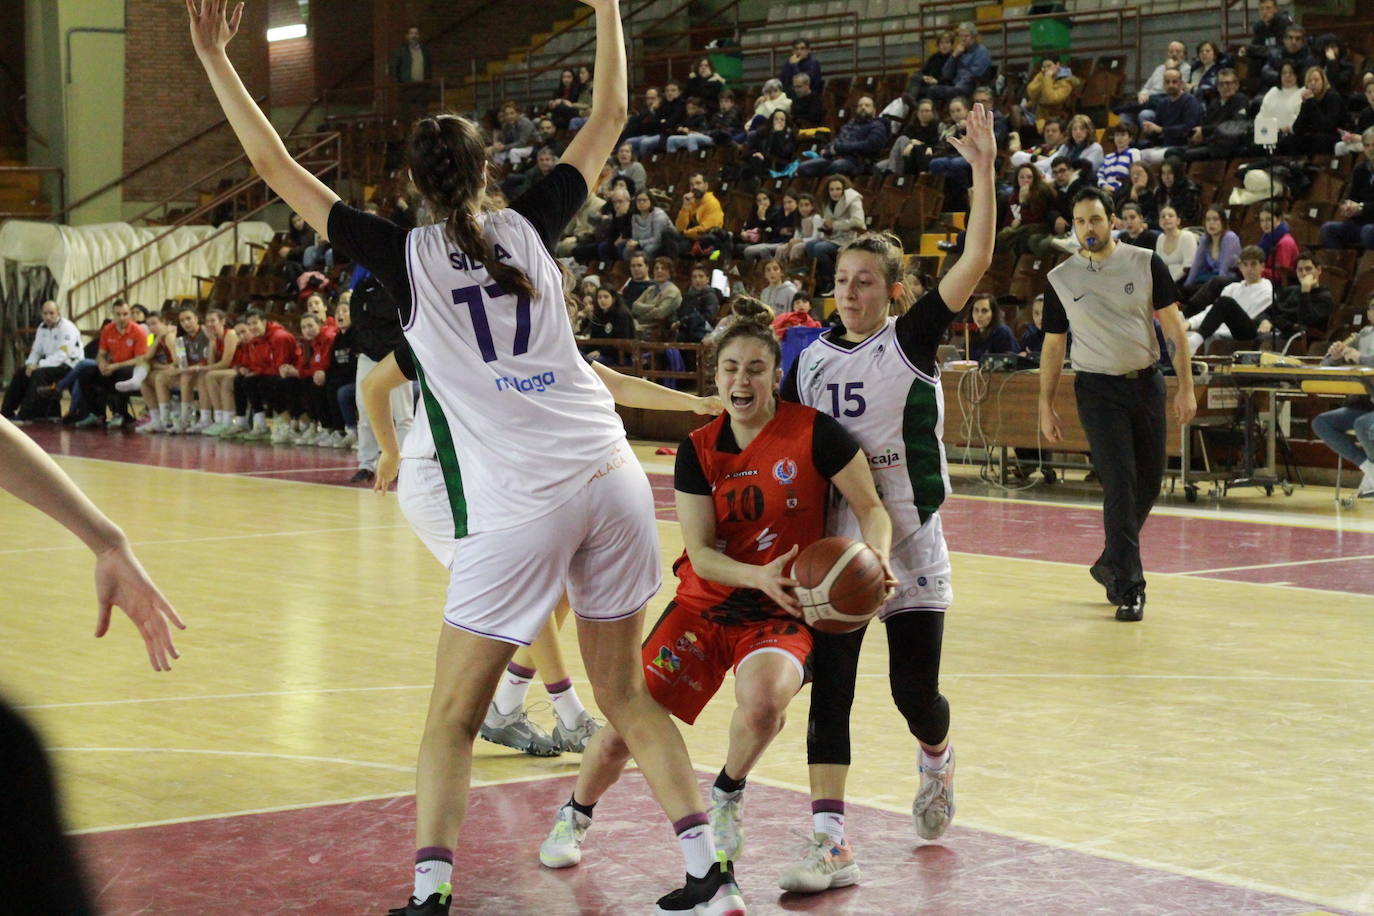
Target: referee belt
(1147, 372)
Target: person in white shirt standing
(539, 489)
(56, 348)
(1237, 312)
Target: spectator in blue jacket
(1176, 113)
(857, 146)
(966, 68)
(801, 61)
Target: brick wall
(292, 62)
(167, 97)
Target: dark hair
(1057, 161)
(800, 296)
(255, 313)
(1132, 207)
(992, 304)
(617, 301)
(665, 262)
(1124, 127)
(753, 321)
(449, 165)
(886, 246)
(1057, 122)
(694, 100)
(1307, 254)
(1252, 253)
(726, 94)
(220, 312)
(1221, 215)
(1097, 194)
(1273, 209)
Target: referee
(1109, 296)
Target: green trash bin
(1049, 36)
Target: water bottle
(181, 353)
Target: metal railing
(52, 212)
(325, 162)
(382, 100)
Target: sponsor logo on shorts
(687, 645)
(535, 383)
(785, 471)
(942, 587)
(667, 660)
(615, 462)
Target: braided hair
(448, 163)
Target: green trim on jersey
(445, 452)
(923, 460)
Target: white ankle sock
(431, 872)
(566, 703)
(185, 412)
(698, 845)
(260, 420)
(934, 761)
(224, 416)
(510, 693)
(827, 817)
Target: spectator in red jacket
(314, 397)
(260, 385)
(1280, 248)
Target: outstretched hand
(775, 581)
(120, 581)
(210, 29)
(978, 145)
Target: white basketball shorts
(600, 547)
(920, 563)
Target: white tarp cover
(74, 253)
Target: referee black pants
(1124, 421)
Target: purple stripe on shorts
(434, 854)
(520, 671)
(627, 613)
(559, 686)
(687, 823)
(496, 636)
(827, 806)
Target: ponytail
(448, 163)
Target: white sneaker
(177, 427)
(727, 822)
(324, 438)
(562, 848)
(281, 433)
(933, 808)
(1366, 490)
(351, 438)
(306, 436)
(338, 439)
(824, 865)
(151, 426)
(128, 385)
(200, 427)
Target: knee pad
(925, 709)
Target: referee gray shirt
(1110, 307)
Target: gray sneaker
(933, 808)
(562, 848)
(517, 731)
(575, 739)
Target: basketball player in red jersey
(752, 489)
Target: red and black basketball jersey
(768, 497)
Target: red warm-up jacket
(317, 355)
(275, 348)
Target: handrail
(851, 42)
(111, 185)
(201, 179)
(23, 169)
(122, 264)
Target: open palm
(210, 29)
(978, 145)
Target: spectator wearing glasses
(801, 61)
(1225, 129)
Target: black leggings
(260, 393)
(319, 402)
(1227, 311)
(913, 656)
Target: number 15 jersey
(520, 422)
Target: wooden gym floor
(1213, 759)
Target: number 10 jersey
(520, 422)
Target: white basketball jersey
(517, 417)
(897, 414)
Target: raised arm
(597, 139)
(979, 147)
(302, 191)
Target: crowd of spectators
(714, 192)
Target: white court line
(300, 806)
(1204, 572)
(216, 537)
(347, 467)
(1087, 847)
(985, 675)
(342, 761)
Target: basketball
(840, 584)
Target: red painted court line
(353, 859)
(1171, 544)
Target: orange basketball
(840, 584)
